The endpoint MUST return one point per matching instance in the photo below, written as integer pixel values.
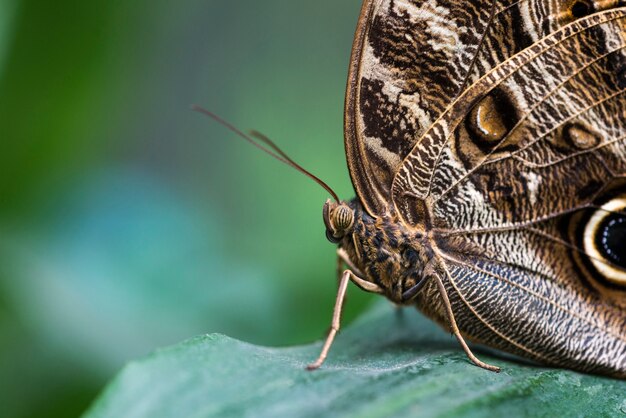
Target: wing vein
(481, 319)
(520, 123)
(536, 295)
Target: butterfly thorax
(387, 253)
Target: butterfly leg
(334, 328)
(356, 273)
(344, 258)
(336, 322)
(455, 329)
(340, 265)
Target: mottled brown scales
(486, 142)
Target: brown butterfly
(486, 142)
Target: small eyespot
(491, 119)
(486, 121)
(579, 136)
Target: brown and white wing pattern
(412, 58)
(409, 61)
(503, 178)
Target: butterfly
(486, 142)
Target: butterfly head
(339, 220)
(392, 258)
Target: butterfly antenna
(263, 145)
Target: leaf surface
(386, 364)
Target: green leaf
(386, 364)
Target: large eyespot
(604, 240)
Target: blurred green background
(129, 222)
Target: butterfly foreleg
(455, 329)
(344, 258)
(336, 321)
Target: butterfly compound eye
(335, 218)
(343, 218)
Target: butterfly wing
(410, 60)
(398, 84)
(499, 178)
